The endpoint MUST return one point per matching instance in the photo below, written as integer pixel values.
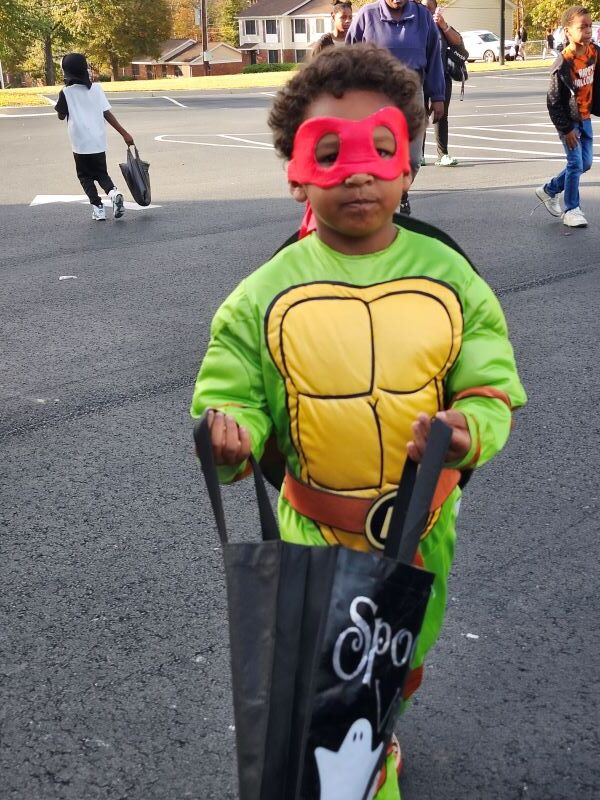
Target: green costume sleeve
(483, 383)
(230, 377)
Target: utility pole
(203, 4)
(1, 77)
(502, 29)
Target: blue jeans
(579, 160)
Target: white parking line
(505, 130)
(503, 149)
(37, 114)
(542, 79)
(163, 138)
(498, 138)
(509, 105)
(499, 114)
(171, 100)
(247, 141)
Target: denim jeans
(579, 160)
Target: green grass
(20, 97)
(31, 97)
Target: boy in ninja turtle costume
(344, 346)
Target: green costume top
(336, 355)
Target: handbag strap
(268, 524)
(414, 496)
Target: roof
(186, 55)
(168, 49)
(172, 46)
(284, 8)
(313, 7)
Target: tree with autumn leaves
(109, 32)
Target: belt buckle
(378, 519)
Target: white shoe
(446, 161)
(552, 203)
(98, 213)
(117, 203)
(574, 218)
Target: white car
(485, 45)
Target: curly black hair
(337, 70)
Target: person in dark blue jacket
(408, 31)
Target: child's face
(579, 29)
(342, 18)
(362, 205)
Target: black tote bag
(321, 642)
(137, 177)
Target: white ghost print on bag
(345, 774)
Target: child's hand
(230, 442)
(128, 139)
(572, 140)
(460, 443)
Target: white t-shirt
(86, 123)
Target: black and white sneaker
(405, 205)
(98, 213)
(117, 203)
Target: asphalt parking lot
(114, 675)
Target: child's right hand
(230, 441)
(572, 140)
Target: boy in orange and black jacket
(573, 95)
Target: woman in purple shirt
(408, 31)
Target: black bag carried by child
(321, 642)
(456, 60)
(137, 177)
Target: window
(299, 26)
(300, 56)
(250, 27)
(488, 37)
(178, 72)
(135, 70)
(320, 26)
(271, 27)
(149, 72)
(273, 56)
(164, 71)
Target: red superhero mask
(357, 153)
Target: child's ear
(406, 182)
(297, 191)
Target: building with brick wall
(184, 58)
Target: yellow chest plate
(359, 364)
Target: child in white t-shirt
(86, 109)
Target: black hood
(75, 69)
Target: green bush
(270, 67)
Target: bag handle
(414, 495)
(268, 525)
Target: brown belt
(349, 513)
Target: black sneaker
(405, 205)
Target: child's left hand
(128, 138)
(460, 443)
